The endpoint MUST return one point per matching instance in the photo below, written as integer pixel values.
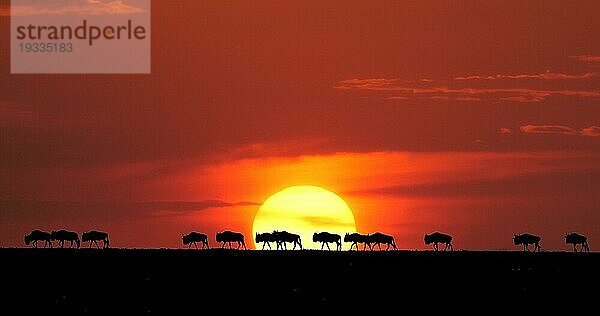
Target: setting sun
(304, 210)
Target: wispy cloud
(548, 75)
(525, 185)
(325, 221)
(592, 59)
(505, 130)
(526, 98)
(592, 131)
(404, 90)
(78, 7)
(548, 129)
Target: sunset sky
(474, 118)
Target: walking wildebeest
(379, 238)
(63, 235)
(229, 237)
(194, 237)
(283, 237)
(526, 240)
(576, 239)
(436, 238)
(325, 238)
(94, 236)
(266, 239)
(355, 239)
(37, 235)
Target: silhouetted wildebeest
(266, 239)
(229, 237)
(436, 238)
(194, 237)
(283, 237)
(63, 235)
(325, 238)
(526, 240)
(379, 238)
(94, 236)
(576, 239)
(355, 239)
(37, 235)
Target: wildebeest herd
(93, 237)
(282, 238)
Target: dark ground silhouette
(176, 281)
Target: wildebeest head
(315, 237)
(517, 239)
(54, 235)
(347, 237)
(219, 237)
(27, 239)
(186, 239)
(85, 237)
(427, 239)
(261, 237)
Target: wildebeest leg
(327, 246)
(196, 245)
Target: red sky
(478, 119)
